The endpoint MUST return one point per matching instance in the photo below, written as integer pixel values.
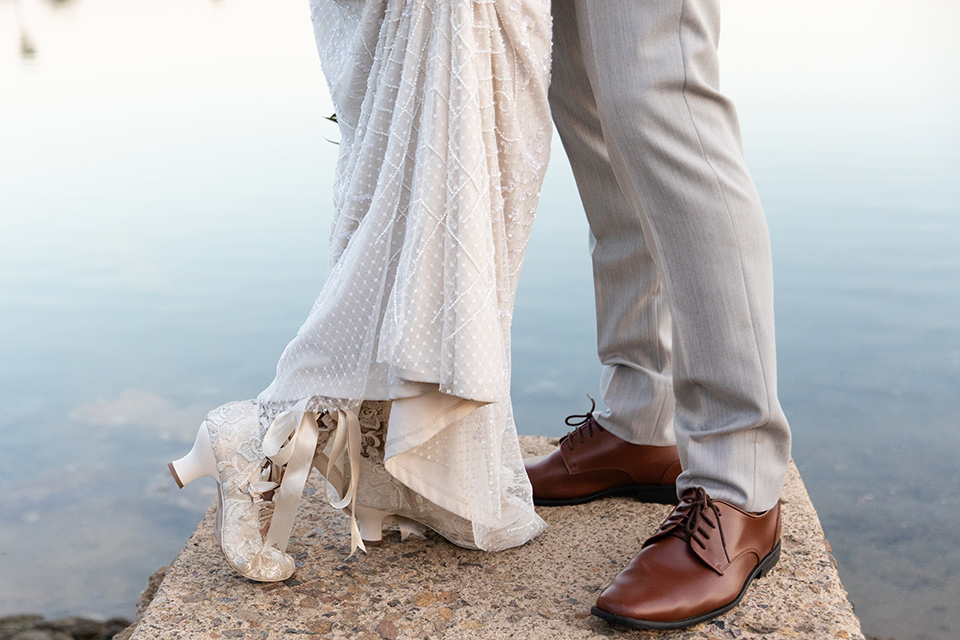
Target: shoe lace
(291, 444)
(694, 518)
(261, 486)
(582, 423)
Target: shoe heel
(371, 522)
(660, 494)
(201, 461)
(769, 562)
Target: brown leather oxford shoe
(593, 463)
(695, 567)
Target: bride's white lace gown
(445, 134)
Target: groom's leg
(674, 143)
(633, 323)
(628, 449)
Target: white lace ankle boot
(382, 499)
(229, 449)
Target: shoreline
(31, 626)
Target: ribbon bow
(290, 443)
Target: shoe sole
(760, 571)
(658, 493)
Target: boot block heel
(201, 461)
(370, 521)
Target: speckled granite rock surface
(428, 588)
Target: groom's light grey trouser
(681, 252)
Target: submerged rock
(33, 627)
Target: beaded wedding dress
(445, 135)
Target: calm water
(164, 201)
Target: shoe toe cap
(662, 583)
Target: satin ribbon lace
(290, 444)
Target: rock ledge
(428, 588)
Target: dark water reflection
(163, 214)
